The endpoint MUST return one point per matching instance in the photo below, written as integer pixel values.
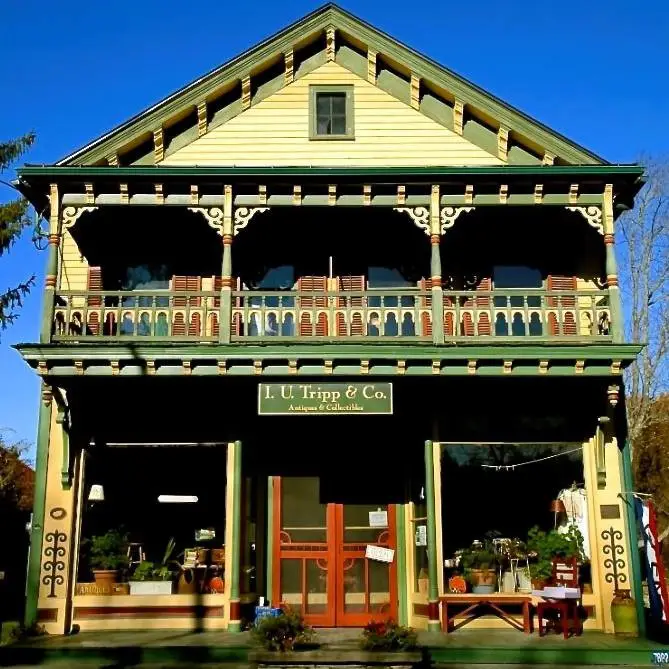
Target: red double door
(320, 556)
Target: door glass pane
(379, 587)
(291, 583)
(357, 528)
(317, 586)
(303, 517)
(355, 592)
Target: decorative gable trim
(331, 33)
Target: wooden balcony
(384, 314)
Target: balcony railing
(388, 315)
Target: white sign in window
(378, 518)
(379, 553)
(421, 535)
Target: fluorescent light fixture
(177, 499)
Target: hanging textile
(576, 505)
(655, 575)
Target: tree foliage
(16, 476)
(13, 220)
(643, 249)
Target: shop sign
(320, 399)
(421, 535)
(379, 553)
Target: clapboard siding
(276, 132)
(74, 268)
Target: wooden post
(51, 280)
(617, 329)
(39, 504)
(233, 553)
(225, 315)
(433, 624)
(435, 268)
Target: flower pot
(105, 578)
(623, 612)
(539, 583)
(483, 581)
(150, 587)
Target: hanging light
(557, 506)
(97, 493)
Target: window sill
(331, 138)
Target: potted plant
(107, 554)
(480, 565)
(150, 578)
(388, 636)
(283, 632)
(544, 547)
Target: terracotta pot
(539, 583)
(105, 577)
(483, 580)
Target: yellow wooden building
(326, 316)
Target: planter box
(150, 587)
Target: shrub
(109, 551)
(282, 632)
(388, 636)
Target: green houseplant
(150, 578)
(107, 554)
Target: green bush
(388, 636)
(149, 571)
(544, 546)
(282, 632)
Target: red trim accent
(47, 615)
(609, 239)
(433, 610)
(420, 609)
(612, 280)
(235, 611)
(93, 612)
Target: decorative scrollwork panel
(54, 565)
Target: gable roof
(497, 116)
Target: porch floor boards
(464, 647)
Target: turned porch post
(617, 326)
(233, 538)
(225, 315)
(435, 268)
(51, 266)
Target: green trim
(39, 504)
(270, 539)
(433, 589)
(541, 171)
(331, 15)
(314, 92)
(629, 516)
(402, 573)
(375, 351)
(235, 551)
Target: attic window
(331, 112)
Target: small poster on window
(421, 535)
(378, 518)
(379, 553)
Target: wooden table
(495, 602)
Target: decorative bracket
(419, 215)
(243, 216)
(593, 215)
(213, 216)
(449, 215)
(71, 215)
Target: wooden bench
(497, 603)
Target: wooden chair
(565, 573)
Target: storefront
(352, 377)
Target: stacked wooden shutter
(310, 323)
(181, 284)
(557, 284)
(94, 283)
(354, 284)
(483, 326)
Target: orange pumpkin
(217, 585)
(457, 584)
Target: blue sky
(71, 70)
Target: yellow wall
(276, 132)
(73, 272)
